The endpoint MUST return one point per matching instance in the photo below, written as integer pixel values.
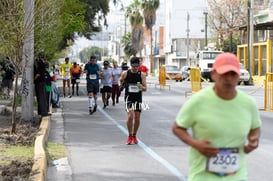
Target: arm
(144, 83)
(203, 146)
(253, 140)
(122, 78)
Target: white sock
(90, 100)
(93, 101)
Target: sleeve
(185, 117)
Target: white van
(206, 59)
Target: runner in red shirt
(143, 68)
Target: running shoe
(95, 108)
(90, 110)
(134, 140)
(129, 140)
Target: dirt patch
(25, 135)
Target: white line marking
(148, 150)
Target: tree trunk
(14, 104)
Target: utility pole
(206, 28)
(28, 59)
(250, 30)
(188, 35)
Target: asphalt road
(96, 143)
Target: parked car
(173, 73)
(185, 70)
(245, 76)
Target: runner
(75, 72)
(106, 80)
(92, 71)
(65, 70)
(115, 87)
(135, 83)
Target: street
(96, 143)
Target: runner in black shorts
(135, 83)
(92, 71)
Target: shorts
(107, 89)
(7, 83)
(92, 87)
(75, 80)
(66, 77)
(132, 103)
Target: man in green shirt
(225, 125)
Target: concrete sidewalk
(58, 169)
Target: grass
(9, 153)
(22, 153)
(55, 151)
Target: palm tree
(149, 8)
(128, 48)
(133, 12)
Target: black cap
(105, 62)
(93, 57)
(134, 61)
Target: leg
(113, 94)
(73, 85)
(136, 122)
(64, 82)
(130, 118)
(68, 86)
(77, 88)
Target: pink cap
(226, 62)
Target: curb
(38, 172)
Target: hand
(205, 148)
(252, 145)
(121, 87)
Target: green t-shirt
(226, 123)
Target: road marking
(148, 150)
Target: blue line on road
(153, 154)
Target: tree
(127, 45)
(94, 14)
(133, 12)
(225, 16)
(149, 8)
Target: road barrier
(162, 77)
(268, 92)
(195, 78)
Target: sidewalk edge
(38, 172)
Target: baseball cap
(134, 61)
(226, 62)
(93, 57)
(105, 62)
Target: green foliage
(127, 45)
(149, 8)
(87, 52)
(235, 42)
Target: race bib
(133, 88)
(93, 76)
(225, 163)
(67, 69)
